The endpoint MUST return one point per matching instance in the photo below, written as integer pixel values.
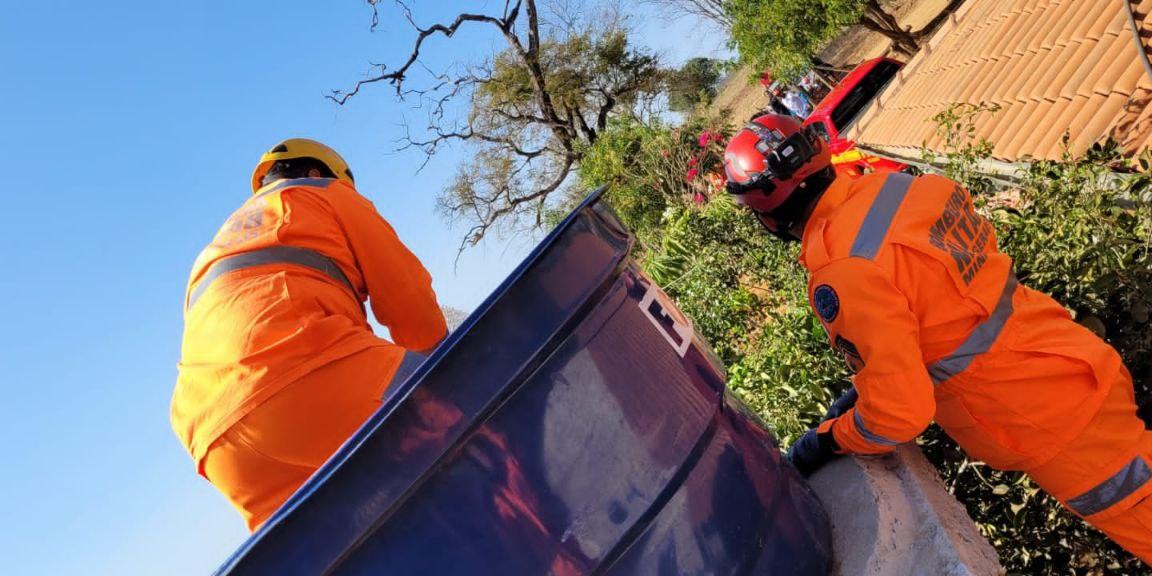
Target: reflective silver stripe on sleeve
(868, 434)
(273, 255)
(282, 184)
(1111, 491)
(880, 215)
(979, 341)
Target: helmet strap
(799, 205)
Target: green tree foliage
(784, 35)
(646, 166)
(693, 84)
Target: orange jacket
(251, 331)
(909, 284)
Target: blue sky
(128, 132)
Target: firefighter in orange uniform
(279, 365)
(913, 292)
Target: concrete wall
(892, 515)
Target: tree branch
(486, 219)
(396, 77)
(430, 146)
(711, 10)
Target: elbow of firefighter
(917, 419)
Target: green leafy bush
(784, 35)
(651, 167)
(693, 84)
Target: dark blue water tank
(574, 425)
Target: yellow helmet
(301, 148)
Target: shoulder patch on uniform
(827, 302)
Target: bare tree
(708, 10)
(527, 112)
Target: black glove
(842, 404)
(812, 451)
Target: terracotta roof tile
(998, 45)
(1026, 35)
(1051, 85)
(1102, 78)
(1041, 131)
(1050, 136)
(990, 35)
(1052, 65)
(1111, 22)
(987, 78)
(1130, 79)
(1026, 74)
(1084, 114)
(1103, 118)
(1134, 130)
(1060, 18)
(1004, 120)
(1087, 19)
(1083, 68)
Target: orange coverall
(279, 365)
(908, 281)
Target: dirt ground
(744, 98)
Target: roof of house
(1052, 66)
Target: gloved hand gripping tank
(574, 424)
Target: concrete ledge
(892, 515)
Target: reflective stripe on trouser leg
(1110, 492)
(1131, 529)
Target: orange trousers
(260, 461)
(1105, 475)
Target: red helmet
(770, 160)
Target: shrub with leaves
(693, 84)
(956, 126)
(651, 166)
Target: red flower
(705, 138)
(699, 198)
(692, 162)
(690, 176)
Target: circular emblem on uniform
(827, 303)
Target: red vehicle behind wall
(843, 106)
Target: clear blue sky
(128, 132)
